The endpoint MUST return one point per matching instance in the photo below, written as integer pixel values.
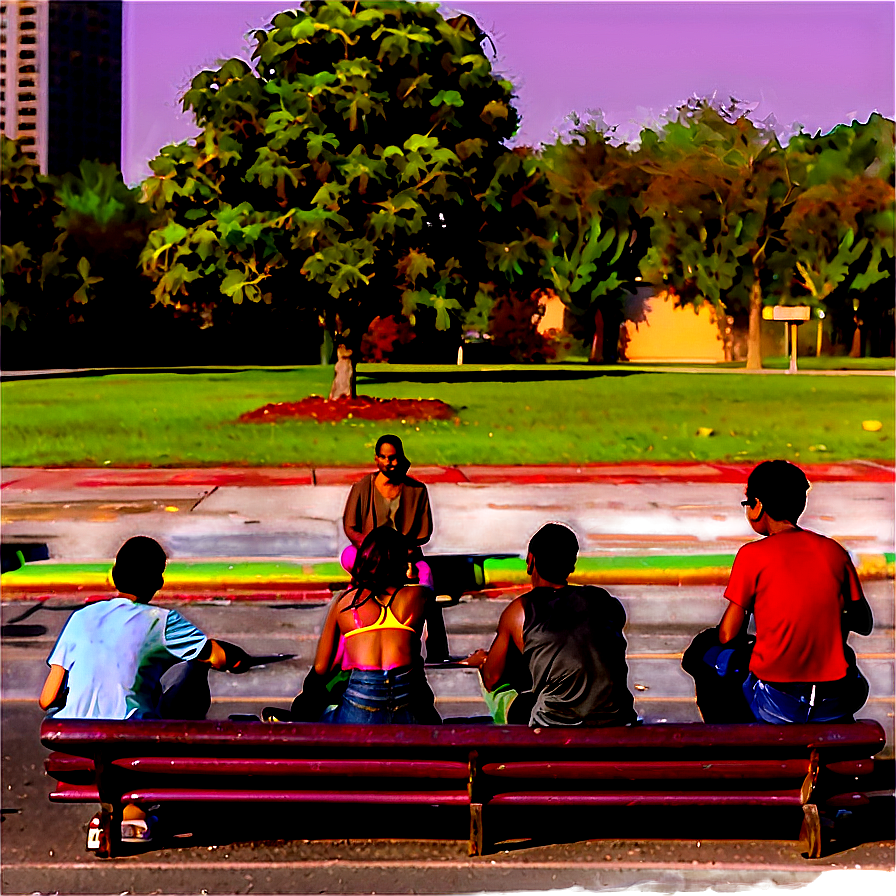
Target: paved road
(43, 845)
(85, 515)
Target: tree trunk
(855, 350)
(344, 374)
(754, 332)
(597, 344)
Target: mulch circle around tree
(361, 408)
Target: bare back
(384, 631)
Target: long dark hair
(382, 560)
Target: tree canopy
(348, 172)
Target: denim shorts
(829, 701)
(377, 697)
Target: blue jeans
(377, 697)
(829, 701)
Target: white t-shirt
(115, 653)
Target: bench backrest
(670, 741)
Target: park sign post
(793, 316)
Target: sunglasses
(750, 502)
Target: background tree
(571, 222)
(719, 191)
(594, 235)
(70, 276)
(347, 173)
(838, 251)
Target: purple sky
(816, 63)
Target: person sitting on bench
(805, 597)
(378, 623)
(110, 658)
(570, 637)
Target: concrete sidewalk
(276, 532)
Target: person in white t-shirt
(110, 657)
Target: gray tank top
(575, 650)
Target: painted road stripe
(677, 569)
(611, 864)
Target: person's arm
(224, 656)
(856, 612)
(329, 640)
(50, 692)
(741, 594)
(857, 617)
(351, 521)
(424, 516)
(732, 622)
(510, 631)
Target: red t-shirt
(796, 583)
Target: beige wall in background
(675, 334)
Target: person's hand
(476, 659)
(238, 661)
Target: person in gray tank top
(570, 638)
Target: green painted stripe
(494, 568)
(178, 572)
(496, 571)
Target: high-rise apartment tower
(61, 79)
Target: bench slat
(386, 768)
(650, 798)
(185, 795)
(645, 771)
(84, 736)
(75, 793)
(63, 762)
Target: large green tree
(348, 172)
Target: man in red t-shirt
(805, 596)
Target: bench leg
(475, 829)
(105, 832)
(810, 833)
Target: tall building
(61, 73)
(23, 73)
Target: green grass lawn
(558, 414)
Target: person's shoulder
(411, 482)
(756, 546)
(590, 593)
(824, 542)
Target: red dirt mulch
(361, 408)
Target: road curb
(36, 479)
(316, 579)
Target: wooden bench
(812, 767)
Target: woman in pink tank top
(374, 629)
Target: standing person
(110, 657)
(389, 497)
(378, 622)
(570, 638)
(805, 597)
